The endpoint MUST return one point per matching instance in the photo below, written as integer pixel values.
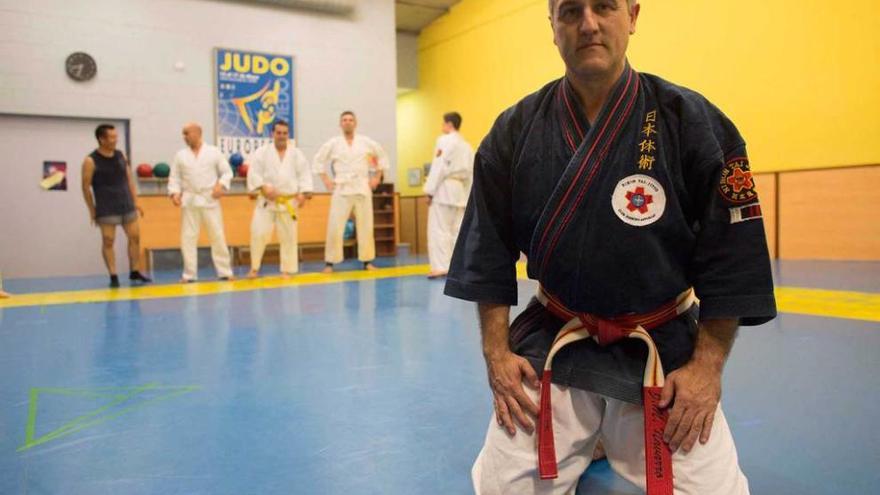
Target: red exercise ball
(145, 170)
(243, 170)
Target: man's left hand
(694, 391)
(218, 191)
(374, 183)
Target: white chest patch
(639, 200)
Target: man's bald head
(192, 134)
(552, 3)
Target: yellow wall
(801, 79)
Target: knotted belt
(283, 200)
(580, 326)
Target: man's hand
(430, 199)
(93, 219)
(507, 374)
(300, 200)
(328, 184)
(269, 192)
(374, 183)
(694, 390)
(217, 192)
(137, 207)
(175, 199)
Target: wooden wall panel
(830, 214)
(422, 218)
(766, 187)
(408, 223)
(823, 214)
(160, 227)
(414, 223)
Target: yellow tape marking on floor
(815, 302)
(205, 288)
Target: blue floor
(172, 276)
(373, 387)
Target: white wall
(407, 62)
(341, 63)
(48, 233)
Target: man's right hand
(508, 373)
(269, 192)
(329, 185)
(175, 199)
(93, 219)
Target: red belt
(580, 326)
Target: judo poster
(253, 89)
(54, 176)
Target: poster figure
(252, 90)
(54, 176)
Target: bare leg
(133, 231)
(108, 237)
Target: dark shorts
(124, 219)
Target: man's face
(191, 135)
(348, 123)
(281, 135)
(447, 127)
(592, 35)
(109, 139)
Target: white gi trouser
(191, 219)
(508, 465)
(444, 222)
(266, 217)
(341, 207)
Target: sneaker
(137, 276)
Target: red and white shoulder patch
(737, 186)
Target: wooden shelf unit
(386, 220)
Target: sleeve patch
(737, 186)
(745, 213)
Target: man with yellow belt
(632, 197)
(281, 177)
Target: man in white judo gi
(280, 174)
(199, 177)
(356, 163)
(448, 187)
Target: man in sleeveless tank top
(111, 197)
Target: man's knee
(107, 241)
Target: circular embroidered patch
(737, 185)
(639, 200)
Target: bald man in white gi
(199, 177)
